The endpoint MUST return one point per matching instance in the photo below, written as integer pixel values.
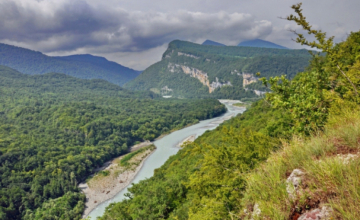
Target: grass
(243, 104)
(329, 178)
(125, 160)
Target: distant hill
(213, 43)
(189, 70)
(260, 43)
(80, 66)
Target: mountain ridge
(213, 43)
(260, 43)
(192, 70)
(34, 62)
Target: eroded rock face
(293, 182)
(248, 78)
(198, 74)
(188, 55)
(317, 214)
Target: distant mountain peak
(260, 43)
(212, 43)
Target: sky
(135, 33)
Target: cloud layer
(129, 32)
(70, 25)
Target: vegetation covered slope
(56, 129)
(304, 123)
(80, 66)
(213, 71)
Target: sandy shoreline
(191, 138)
(105, 191)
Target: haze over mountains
(80, 66)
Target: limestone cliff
(188, 55)
(248, 78)
(198, 74)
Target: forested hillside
(310, 123)
(191, 70)
(80, 66)
(56, 129)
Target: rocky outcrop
(173, 67)
(235, 72)
(293, 182)
(188, 55)
(168, 56)
(218, 84)
(324, 213)
(198, 74)
(248, 78)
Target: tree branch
(356, 92)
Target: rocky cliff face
(198, 74)
(188, 55)
(248, 79)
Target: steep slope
(294, 155)
(213, 43)
(55, 130)
(260, 43)
(193, 70)
(80, 66)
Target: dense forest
(81, 66)
(223, 174)
(56, 129)
(220, 64)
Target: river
(166, 147)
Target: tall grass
(330, 179)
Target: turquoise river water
(166, 147)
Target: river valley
(168, 146)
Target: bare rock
(347, 158)
(317, 214)
(293, 182)
(256, 211)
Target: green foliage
(224, 63)
(55, 130)
(104, 173)
(69, 206)
(328, 82)
(218, 184)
